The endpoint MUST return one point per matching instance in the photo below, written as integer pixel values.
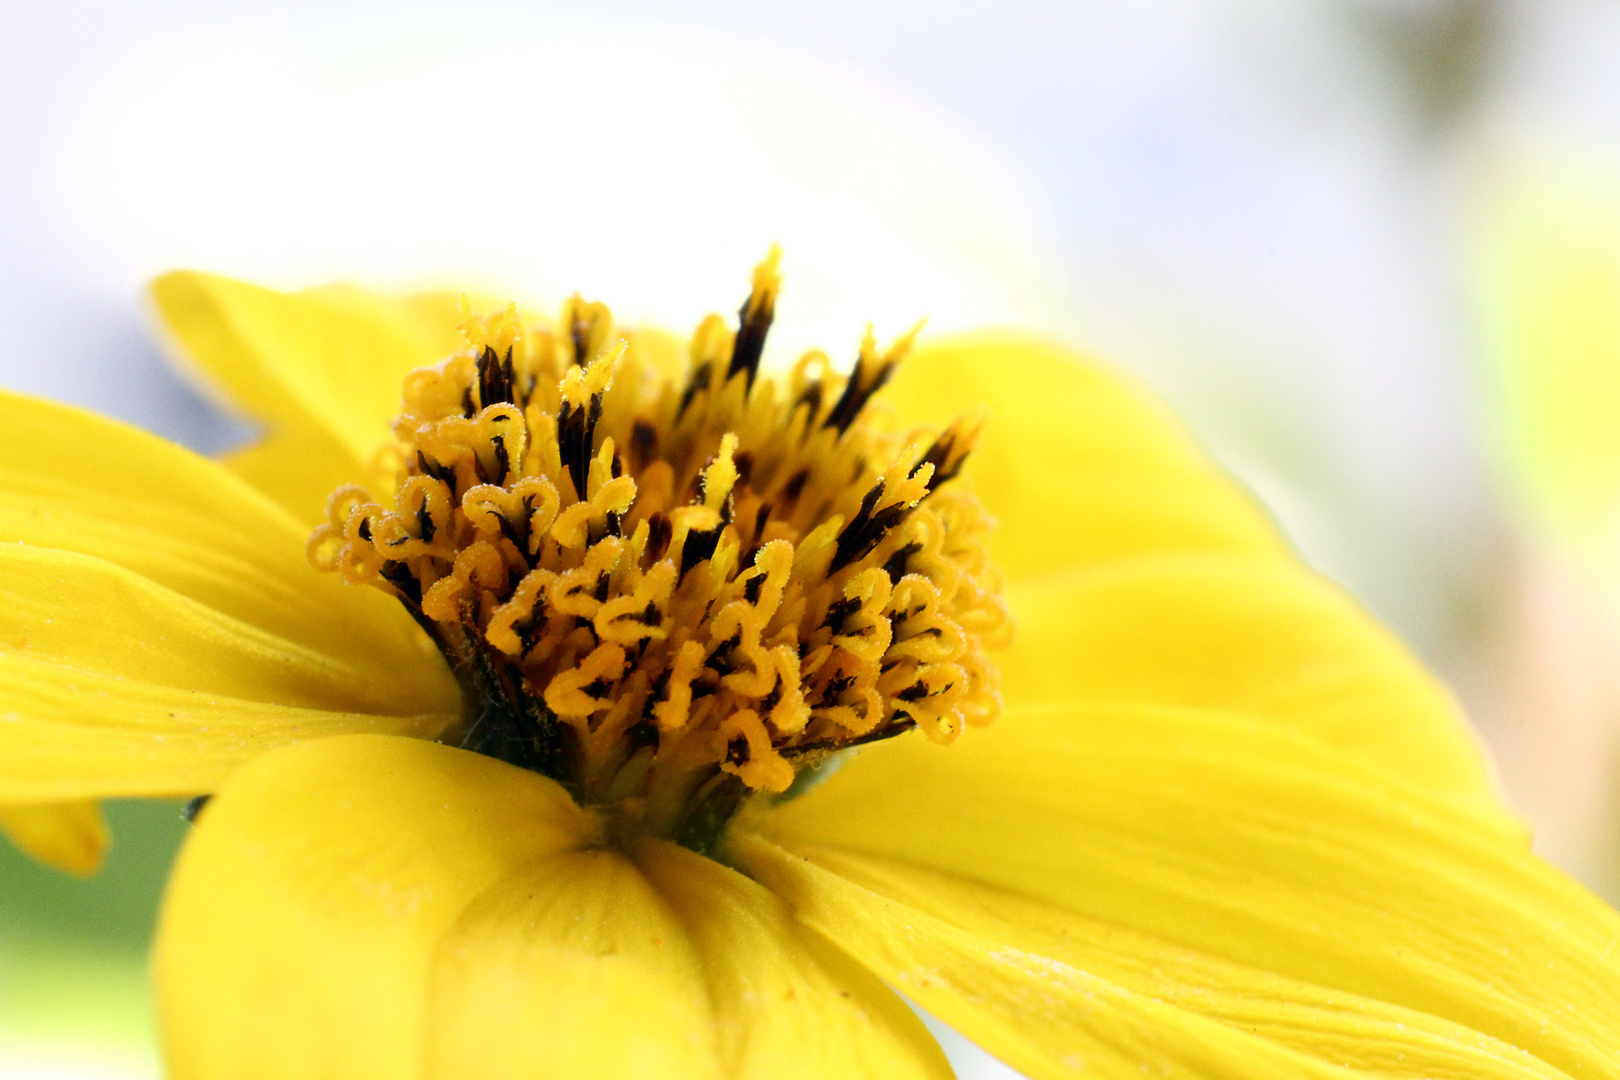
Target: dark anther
(194, 807)
(839, 611)
(699, 546)
(428, 467)
(581, 332)
(937, 455)
(596, 689)
(503, 460)
(494, 377)
(698, 382)
(811, 397)
(793, 489)
(723, 657)
(855, 397)
(753, 323)
(468, 408)
(618, 464)
(575, 429)
(866, 529)
(659, 533)
(914, 692)
(652, 616)
(744, 463)
(643, 444)
(364, 529)
(737, 750)
(642, 735)
(400, 577)
(895, 567)
(613, 527)
(602, 583)
(836, 686)
(752, 588)
(761, 519)
(424, 521)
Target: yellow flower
(1223, 827)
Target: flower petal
(1058, 995)
(786, 1002)
(71, 836)
(299, 930)
(365, 907)
(331, 358)
(1265, 639)
(1252, 844)
(1077, 463)
(76, 482)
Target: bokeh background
(1370, 249)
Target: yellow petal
(1253, 844)
(69, 835)
(69, 734)
(331, 358)
(570, 965)
(1265, 639)
(786, 1003)
(1328, 1025)
(1044, 1017)
(1076, 463)
(299, 930)
(76, 482)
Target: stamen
(670, 594)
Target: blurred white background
(1269, 209)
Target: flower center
(671, 591)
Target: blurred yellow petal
(1076, 463)
(301, 924)
(1044, 1017)
(76, 482)
(331, 358)
(1058, 995)
(1252, 844)
(786, 1003)
(70, 835)
(1260, 638)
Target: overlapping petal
(464, 917)
(1248, 843)
(1266, 639)
(161, 621)
(1077, 464)
(322, 368)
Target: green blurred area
(73, 951)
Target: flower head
(669, 590)
(1223, 827)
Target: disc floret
(671, 589)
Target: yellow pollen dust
(677, 587)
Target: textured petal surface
(1012, 948)
(159, 611)
(69, 835)
(1261, 638)
(1078, 464)
(75, 482)
(367, 907)
(786, 1002)
(330, 359)
(1254, 845)
(299, 929)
